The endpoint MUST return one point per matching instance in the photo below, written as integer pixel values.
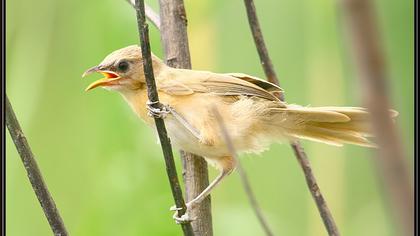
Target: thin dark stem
(174, 37)
(297, 148)
(160, 125)
(265, 60)
(244, 178)
(34, 173)
(314, 189)
(369, 58)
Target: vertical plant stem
(313, 187)
(369, 59)
(297, 148)
(160, 125)
(175, 43)
(34, 173)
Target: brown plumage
(253, 115)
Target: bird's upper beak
(111, 78)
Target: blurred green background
(103, 166)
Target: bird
(253, 114)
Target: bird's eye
(123, 66)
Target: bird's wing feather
(270, 87)
(174, 87)
(179, 83)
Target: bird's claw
(185, 218)
(175, 208)
(155, 112)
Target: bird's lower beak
(111, 78)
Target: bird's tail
(330, 125)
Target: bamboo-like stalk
(173, 29)
(34, 173)
(297, 148)
(160, 125)
(391, 162)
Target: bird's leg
(166, 109)
(184, 122)
(193, 203)
(228, 165)
(157, 112)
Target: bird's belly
(183, 139)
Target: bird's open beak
(111, 78)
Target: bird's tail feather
(330, 125)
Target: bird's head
(123, 70)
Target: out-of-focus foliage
(103, 165)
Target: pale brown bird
(253, 115)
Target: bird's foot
(185, 218)
(157, 112)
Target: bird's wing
(270, 87)
(185, 82)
